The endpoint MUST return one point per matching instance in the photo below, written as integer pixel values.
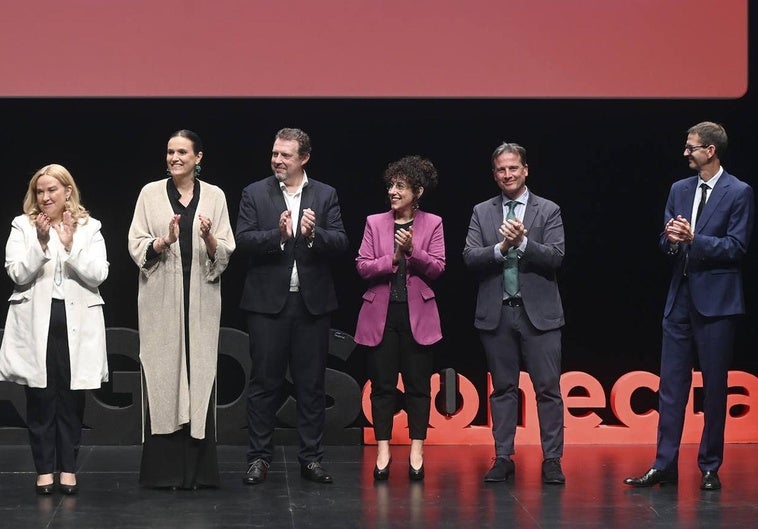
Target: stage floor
(452, 496)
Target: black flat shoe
(44, 490)
(416, 474)
(68, 490)
(382, 474)
(502, 470)
(315, 472)
(256, 472)
(710, 481)
(653, 477)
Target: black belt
(513, 302)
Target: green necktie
(510, 268)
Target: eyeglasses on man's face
(689, 149)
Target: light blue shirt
(519, 212)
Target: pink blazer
(374, 264)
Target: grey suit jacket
(538, 264)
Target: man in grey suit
(515, 245)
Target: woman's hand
(65, 230)
(207, 235)
(173, 230)
(42, 224)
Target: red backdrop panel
(362, 48)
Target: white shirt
(698, 192)
(293, 204)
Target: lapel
(306, 200)
(688, 197)
(387, 234)
(275, 194)
(530, 213)
(496, 217)
(717, 194)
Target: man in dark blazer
(290, 228)
(519, 324)
(704, 301)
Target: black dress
(177, 460)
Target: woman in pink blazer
(402, 251)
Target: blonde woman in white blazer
(54, 338)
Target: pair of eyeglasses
(689, 149)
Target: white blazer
(83, 269)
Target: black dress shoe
(552, 472)
(653, 477)
(44, 490)
(501, 470)
(710, 481)
(416, 474)
(315, 472)
(69, 490)
(256, 472)
(382, 474)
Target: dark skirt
(177, 460)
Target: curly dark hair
(415, 170)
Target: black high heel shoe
(416, 474)
(44, 490)
(69, 490)
(382, 474)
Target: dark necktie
(703, 196)
(700, 206)
(510, 268)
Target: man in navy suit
(290, 228)
(515, 245)
(704, 300)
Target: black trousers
(54, 414)
(296, 339)
(397, 353)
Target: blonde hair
(72, 205)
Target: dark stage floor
(453, 494)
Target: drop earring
(198, 169)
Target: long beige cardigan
(173, 399)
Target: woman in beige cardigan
(181, 240)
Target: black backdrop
(607, 163)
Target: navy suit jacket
(537, 266)
(721, 239)
(269, 267)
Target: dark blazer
(269, 267)
(426, 263)
(537, 266)
(721, 239)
